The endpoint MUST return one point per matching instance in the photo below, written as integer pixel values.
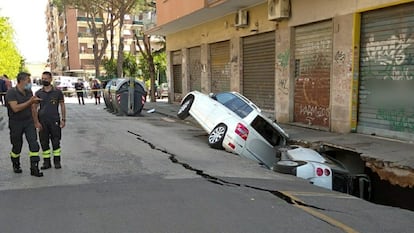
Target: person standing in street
(3, 90)
(96, 91)
(79, 91)
(21, 110)
(49, 121)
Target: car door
(201, 110)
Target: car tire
(216, 136)
(287, 166)
(184, 110)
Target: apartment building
(71, 41)
(336, 65)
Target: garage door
(313, 56)
(177, 74)
(259, 70)
(220, 66)
(386, 92)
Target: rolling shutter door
(386, 91)
(313, 56)
(259, 70)
(220, 66)
(177, 72)
(195, 68)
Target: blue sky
(28, 20)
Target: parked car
(68, 88)
(162, 91)
(236, 124)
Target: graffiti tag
(399, 119)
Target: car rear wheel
(216, 137)
(287, 166)
(184, 110)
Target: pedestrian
(79, 91)
(3, 90)
(49, 121)
(96, 91)
(20, 109)
(8, 82)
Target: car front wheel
(184, 110)
(216, 137)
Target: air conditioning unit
(278, 9)
(242, 18)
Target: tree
(11, 62)
(129, 66)
(95, 10)
(122, 7)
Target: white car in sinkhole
(237, 125)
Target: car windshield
(267, 131)
(234, 103)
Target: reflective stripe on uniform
(56, 152)
(13, 155)
(46, 154)
(32, 154)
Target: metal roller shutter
(177, 72)
(220, 66)
(195, 68)
(386, 90)
(259, 70)
(313, 57)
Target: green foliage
(110, 67)
(10, 59)
(130, 66)
(160, 63)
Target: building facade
(71, 41)
(340, 66)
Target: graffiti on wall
(283, 58)
(343, 77)
(282, 65)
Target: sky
(28, 20)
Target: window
(267, 131)
(234, 103)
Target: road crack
(311, 209)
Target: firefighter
(47, 119)
(20, 108)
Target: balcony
(85, 19)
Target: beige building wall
(340, 12)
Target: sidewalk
(392, 160)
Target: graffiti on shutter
(386, 91)
(313, 57)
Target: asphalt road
(155, 174)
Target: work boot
(46, 164)
(56, 161)
(34, 167)
(16, 165)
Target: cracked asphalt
(151, 173)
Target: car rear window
(267, 131)
(234, 103)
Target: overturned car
(237, 125)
